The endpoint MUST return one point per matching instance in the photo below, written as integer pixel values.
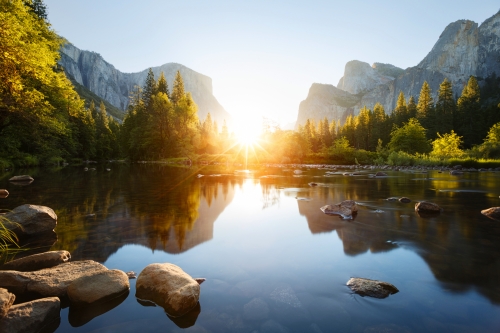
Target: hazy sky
(262, 56)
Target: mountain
(91, 71)
(462, 50)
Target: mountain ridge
(93, 72)
(464, 48)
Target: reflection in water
(170, 210)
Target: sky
(262, 55)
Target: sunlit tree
(447, 146)
(409, 138)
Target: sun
(247, 130)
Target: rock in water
(372, 288)
(168, 286)
(404, 200)
(6, 301)
(427, 207)
(22, 178)
(37, 261)
(41, 315)
(4, 193)
(98, 288)
(380, 174)
(492, 213)
(33, 220)
(49, 281)
(345, 209)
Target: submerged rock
(404, 200)
(98, 288)
(492, 213)
(371, 288)
(6, 301)
(427, 207)
(168, 286)
(37, 261)
(22, 178)
(49, 281)
(346, 209)
(380, 174)
(41, 315)
(31, 219)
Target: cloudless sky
(262, 55)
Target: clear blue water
(273, 261)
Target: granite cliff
(463, 49)
(91, 71)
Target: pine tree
(93, 110)
(445, 107)
(401, 111)
(411, 108)
(162, 85)
(149, 90)
(426, 111)
(37, 7)
(178, 89)
(469, 119)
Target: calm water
(273, 261)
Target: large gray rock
(168, 286)
(6, 301)
(30, 220)
(37, 261)
(41, 315)
(91, 71)
(493, 213)
(98, 288)
(346, 209)
(49, 281)
(360, 77)
(372, 288)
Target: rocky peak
(94, 73)
(455, 54)
(360, 77)
(387, 69)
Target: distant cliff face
(92, 71)
(462, 50)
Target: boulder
(168, 286)
(98, 288)
(371, 288)
(380, 174)
(6, 301)
(404, 200)
(41, 315)
(49, 281)
(492, 213)
(37, 261)
(427, 207)
(22, 178)
(4, 193)
(29, 220)
(345, 209)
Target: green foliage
(445, 107)
(8, 238)
(447, 146)
(409, 138)
(469, 118)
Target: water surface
(273, 261)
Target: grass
(8, 238)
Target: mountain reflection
(460, 248)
